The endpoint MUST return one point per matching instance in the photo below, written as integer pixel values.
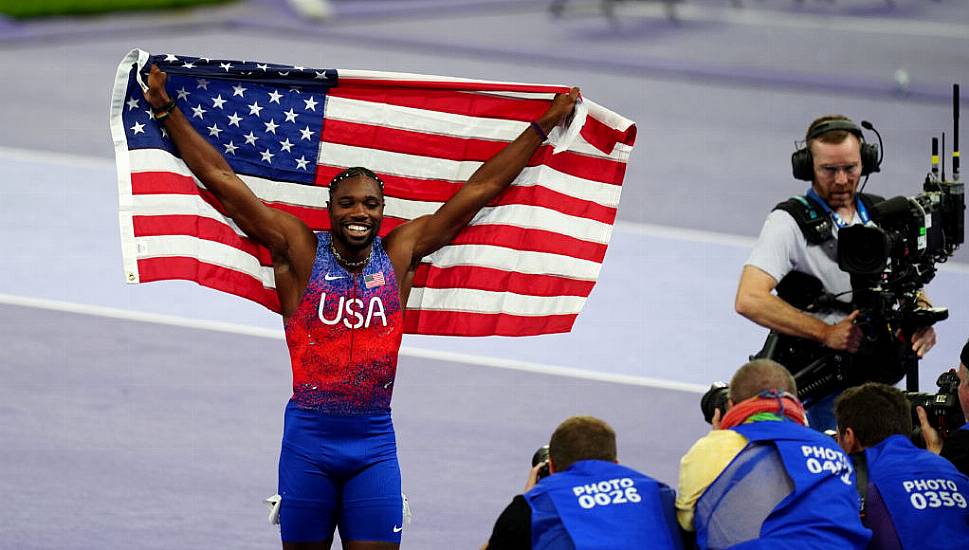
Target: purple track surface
(120, 434)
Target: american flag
(374, 280)
(526, 263)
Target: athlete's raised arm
(291, 243)
(412, 241)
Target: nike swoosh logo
(398, 529)
(329, 277)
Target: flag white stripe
(537, 217)
(180, 205)
(441, 123)
(484, 301)
(520, 261)
(207, 251)
(399, 164)
(421, 167)
(582, 189)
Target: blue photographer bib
(791, 487)
(597, 505)
(926, 497)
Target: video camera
(943, 409)
(889, 263)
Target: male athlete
(342, 296)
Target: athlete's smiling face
(356, 209)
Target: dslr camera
(715, 398)
(541, 456)
(943, 409)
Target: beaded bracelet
(538, 130)
(164, 112)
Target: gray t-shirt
(782, 248)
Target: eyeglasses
(832, 171)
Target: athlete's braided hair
(353, 172)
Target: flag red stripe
(162, 183)
(449, 101)
(456, 323)
(536, 195)
(412, 142)
(604, 137)
(201, 227)
(429, 85)
(497, 280)
(205, 274)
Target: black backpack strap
(815, 226)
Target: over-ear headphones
(802, 163)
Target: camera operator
(912, 498)
(956, 447)
(762, 477)
(796, 253)
(588, 500)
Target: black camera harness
(801, 290)
(811, 217)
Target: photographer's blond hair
(760, 375)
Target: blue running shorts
(339, 471)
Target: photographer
(796, 253)
(588, 501)
(762, 477)
(912, 498)
(956, 447)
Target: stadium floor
(118, 432)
